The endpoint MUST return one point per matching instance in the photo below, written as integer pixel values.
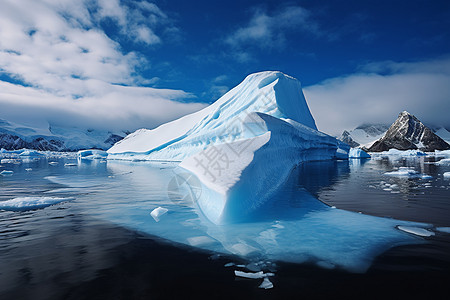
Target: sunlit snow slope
(271, 93)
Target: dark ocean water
(104, 245)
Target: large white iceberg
(242, 147)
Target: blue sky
(130, 64)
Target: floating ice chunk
(416, 230)
(446, 175)
(425, 176)
(443, 229)
(158, 212)
(28, 169)
(70, 165)
(230, 264)
(6, 172)
(252, 275)
(200, 240)
(402, 171)
(266, 284)
(53, 163)
(29, 203)
(357, 153)
(28, 152)
(92, 154)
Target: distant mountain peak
(408, 132)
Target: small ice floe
(28, 169)
(266, 284)
(6, 173)
(92, 154)
(53, 163)
(200, 240)
(407, 172)
(446, 175)
(158, 212)
(29, 152)
(416, 230)
(70, 165)
(230, 264)
(10, 161)
(29, 203)
(403, 171)
(253, 275)
(443, 229)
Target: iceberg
(357, 153)
(260, 128)
(92, 154)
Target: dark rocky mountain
(406, 133)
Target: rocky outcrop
(408, 133)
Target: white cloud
(380, 93)
(269, 30)
(76, 74)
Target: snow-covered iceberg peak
(272, 93)
(242, 148)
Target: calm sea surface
(100, 241)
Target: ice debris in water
(29, 203)
(158, 212)
(251, 275)
(28, 169)
(446, 175)
(407, 172)
(70, 165)
(266, 284)
(53, 163)
(416, 230)
(6, 172)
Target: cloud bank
(58, 64)
(379, 92)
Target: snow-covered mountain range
(364, 135)
(55, 138)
